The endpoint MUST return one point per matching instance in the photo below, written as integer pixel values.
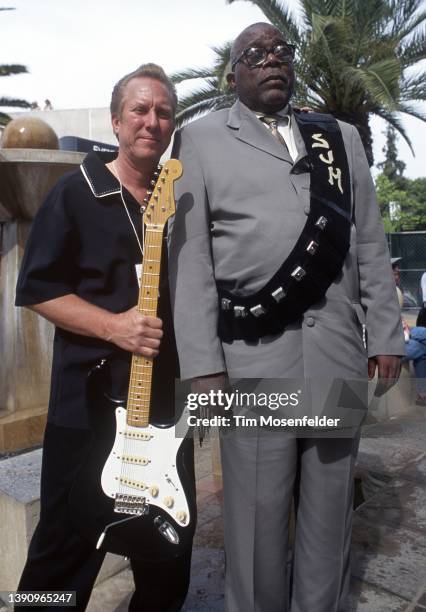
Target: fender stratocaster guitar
(134, 495)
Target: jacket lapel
(248, 128)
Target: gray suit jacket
(240, 210)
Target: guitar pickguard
(142, 469)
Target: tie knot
(272, 120)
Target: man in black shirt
(79, 271)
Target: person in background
(415, 346)
(397, 276)
(423, 288)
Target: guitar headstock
(161, 204)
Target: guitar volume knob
(154, 490)
(169, 501)
(181, 516)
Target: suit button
(310, 321)
(306, 210)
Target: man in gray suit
(280, 269)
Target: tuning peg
(152, 183)
(159, 167)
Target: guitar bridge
(131, 504)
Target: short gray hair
(152, 71)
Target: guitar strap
(319, 253)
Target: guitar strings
(141, 372)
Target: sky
(75, 50)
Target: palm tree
(214, 94)
(8, 70)
(354, 59)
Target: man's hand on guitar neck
(136, 333)
(129, 330)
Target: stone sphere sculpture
(29, 133)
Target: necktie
(272, 123)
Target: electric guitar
(134, 495)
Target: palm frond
(395, 122)
(223, 55)
(9, 69)
(379, 82)
(14, 102)
(411, 110)
(191, 73)
(200, 107)
(280, 17)
(410, 25)
(204, 93)
(414, 51)
(414, 87)
(222, 63)
(331, 8)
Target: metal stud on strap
(298, 273)
(279, 294)
(257, 310)
(225, 304)
(240, 312)
(321, 222)
(312, 247)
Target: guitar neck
(160, 208)
(140, 385)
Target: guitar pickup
(134, 460)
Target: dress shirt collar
(283, 116)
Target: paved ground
(389, 536)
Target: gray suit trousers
(261, 472)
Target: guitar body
(138, 469)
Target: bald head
(249, 34)
(264, 86)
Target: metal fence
(411, 247)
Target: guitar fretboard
(139, 397)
